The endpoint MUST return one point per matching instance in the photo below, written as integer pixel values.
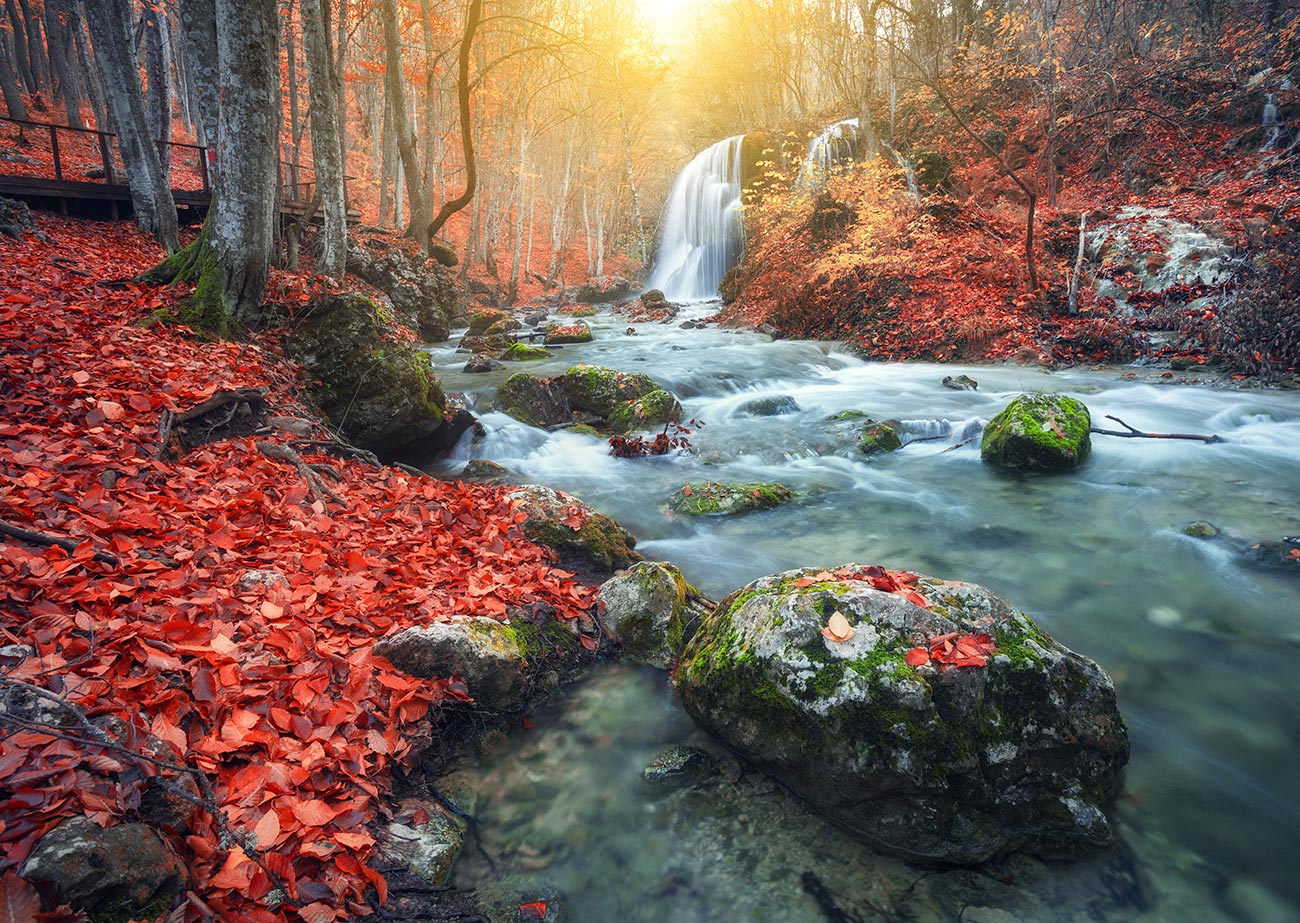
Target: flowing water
(1203, 648)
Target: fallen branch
(45, 540)
(219, 400)
(319, 489)
(1138, 434)
(337, 449)
(964, 442)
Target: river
(1202, 647)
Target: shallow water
(1202, 649)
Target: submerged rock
(647, 612)
(933, 763)
(1201, 529)
(1281, 556)
(585, 540)
(121, 872)
(380, 392)
(714, 499)
(424, 838)
(485, 653)
(960, 383)
(770, 406)
(679, 765)
(1047, 432)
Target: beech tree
(326, 149)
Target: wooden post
(54, 146)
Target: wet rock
(586, 541)
(647, 611)
(771, 331)
(1283, 556)
(502, 326)
(769, 406)
(495, 344)
(677, 766)
(600, 390)
(535, 401)
(126, 871)
(559, 334)
(578, 310)
(480, 469)
(379, 391)
(714, 499)
(848, 415)
(603, 290)
(1201, 529)
(424, 838)
(878, 437)
(1047, 432)
(536, 318)
(651, 410)
(484, 319)
(485, 653)
(424, 295)
(522, 352)
(482, 363)
(960, 383)
(950, 765)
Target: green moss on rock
(601, 390)
(879, 437)
(522, 352)
(714, 499)
(532, 400)
(559, 334)
(650, 410)
(1046, 432)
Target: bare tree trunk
(199, 30)
(340, 85)
(386, 170)
(631, 175)
(1076, 278)
(472, 18)
(35, 47)
(395, 82)
(23, 59)
(159, 98)
(327, 156)
(63, 69)
(517, 251)
(9, 84)
(560, 217)
(94, 89)
(151, 196)
(295, 151)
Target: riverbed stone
(532, 400)
(122, 872)
(481, 469)
(603, 290)
(424, 838)
(878, 437)
(482, 363)
(960, 383)
(485, 654)
(679, 765)
(777, 406)
(575, 332)
(601, 390)
(1201, 529)
(1283, 556)
(522, 352)
(1046, 432)
(381, 392)
(645, 611)
(711, 498)
(933, 763)
(586, 541)
(484, 319)
(650, 410)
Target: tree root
(45, 540)
(319, 489)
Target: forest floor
(207, 605)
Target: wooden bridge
(88, 177)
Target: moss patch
(1048, 432)
(522, 352)
(651, 410)
(714, 499)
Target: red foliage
(269, 687)
(674, 437)
(899, 582)
(954, 650)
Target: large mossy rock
(648, 411)
(600, 390)
(933, 763)
(532, 400)
(482, 651)
(560, 334)
(586, 541)
(1045, 432)
(713, 499)
(379, 390)
(649, 611)
(423, 294)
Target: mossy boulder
(504, 325)
(586, 541)
(934, 763)
(878, 437)
(1046, 432)
(714, 499)
(483, 319)
(649, 611)
(532, 400)
(522, 352)
(559, 334)
(776, 406)
(578, 310)
(379, 390)
(443, 254)
(601, 391)
(479, 345)
(482, 651)
(650, 410)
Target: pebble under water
(1202, 646)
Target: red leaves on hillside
(235, 630)
(954, 650)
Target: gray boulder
(932, 762)
(124, 872)
(648, 612)
(483, 652)
(584, 540)
(425, 839)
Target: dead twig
(45, 540)
(319, 489)
(964, 442)
(1138, 434)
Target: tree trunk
(386, 171)
(9, 84)
(199, 29)
(94, 89)
(23, 61)
(395, 82)
(159, 98)
(35, 47)
(295, 149)
(63, 70)
(155, 211)
(472, 18)
(327, 156)
(340, 85)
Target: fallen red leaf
(534, 911)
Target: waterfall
(703, 235)
(833, 147)
(1270, 124)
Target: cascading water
(1270, 125)
(703, 235)
(837, 144)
